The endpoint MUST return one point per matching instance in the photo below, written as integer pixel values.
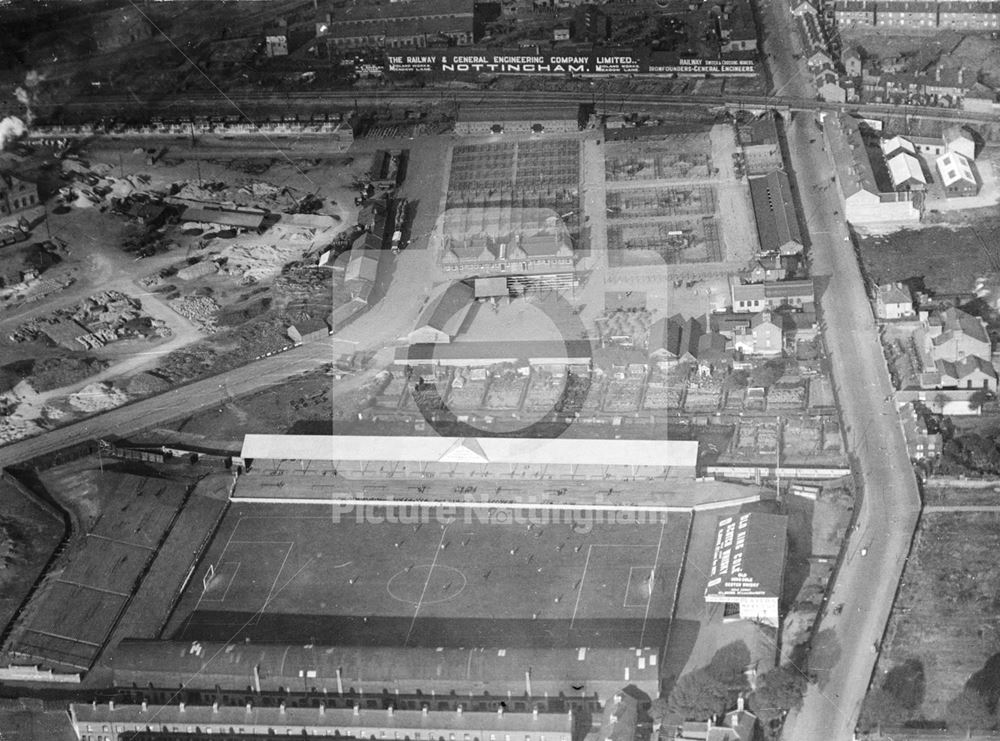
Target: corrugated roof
(749, 556)
(774, 210)
(168, 663)
(554, 451)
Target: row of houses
(971, 15)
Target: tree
(906, 683)
(824, 654)
(882, 708)
(969, 710)
(778, 691)
(698, 696)
(729, 663)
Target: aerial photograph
(500, 370)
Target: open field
(430, 578)
(919, 253)
(945, 616)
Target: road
(890, 506)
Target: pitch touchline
(652, 584)
(579, 590)
(430, 571)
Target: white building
(894, 301)
(957, 177)
(748, 565)
(905, 172)
(960, 141)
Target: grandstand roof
(678, 453)
(167, 663)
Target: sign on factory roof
(749, 556)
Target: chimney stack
(500, 710)
(389, 710)
(181, 706)
(111, 705)
(145, 706)
(459, 710)
(322, 708)
(357, 709)
(534, 713)
(739, 704)
(340, 681)
(281, 708)
(215, 706)
(423, 710)
(527, 682)
(249, 707)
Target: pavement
(885, 522)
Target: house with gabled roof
(905, 172)
(763, 337)
(958, 139)
(971, 372)
(957, 177)
(954, 335)
(894, 301)
(748, 565)
(674, 340)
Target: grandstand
(360, 456)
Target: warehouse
(777, 225)
(481, 121)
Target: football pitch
(425, 577)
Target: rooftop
(555, 451)
(749, 557)
(167, 663)
(774, 210)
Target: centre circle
(426, 584)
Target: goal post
(207, 578)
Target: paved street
(866, 584)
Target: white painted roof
(481, 450)
(897, 142)
(953, 168)
(903, 167)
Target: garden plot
(734, 400)
(801, 438)
(756, 438)
(666, 390)
(833, 440)
(578, 389)
(623, 395)
(704, 393)
(506, 389)
(468, 389)
(545, 387)
(784, 397)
